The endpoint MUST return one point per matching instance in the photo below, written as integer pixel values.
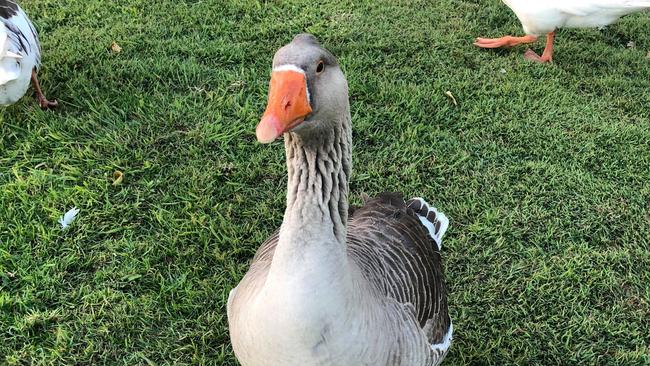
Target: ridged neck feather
(319, 165)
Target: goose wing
(21, 36)
(9, 62)
(396, 253)
(8, 8)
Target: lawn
(544, 171)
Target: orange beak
(287, 107)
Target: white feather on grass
(68, 218)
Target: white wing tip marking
(68, 218)
(443, 347)
(440, 217)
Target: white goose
(20, 56)
(331, 288)
(545, 17)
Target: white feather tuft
(10, 54)
(289, 67)
(68, 218)
(440, 217)
(443, 347)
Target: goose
(545, 17)
(334, 285)
(20, 56)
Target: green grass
(543, 170)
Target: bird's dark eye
(321, 67)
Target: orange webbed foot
(507, 41)
(492, 42)
(547, 56)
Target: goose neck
(319, 165)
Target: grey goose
(20, 56)
(335, 286)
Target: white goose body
(332, 288)
(542, 17)
(545, 17)
(19, 52)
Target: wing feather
(396, 253)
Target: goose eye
(321, 67)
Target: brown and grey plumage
(398, 254)
(332, 288)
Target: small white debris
(631, 44)
(451, 96)
(503, 71)
(68, 218)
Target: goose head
(308, 92)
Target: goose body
(545, 17)
(542, 17)
(20, 55)
(332, 286)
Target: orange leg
(547, 56)
(507, 41)
(42, 101)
